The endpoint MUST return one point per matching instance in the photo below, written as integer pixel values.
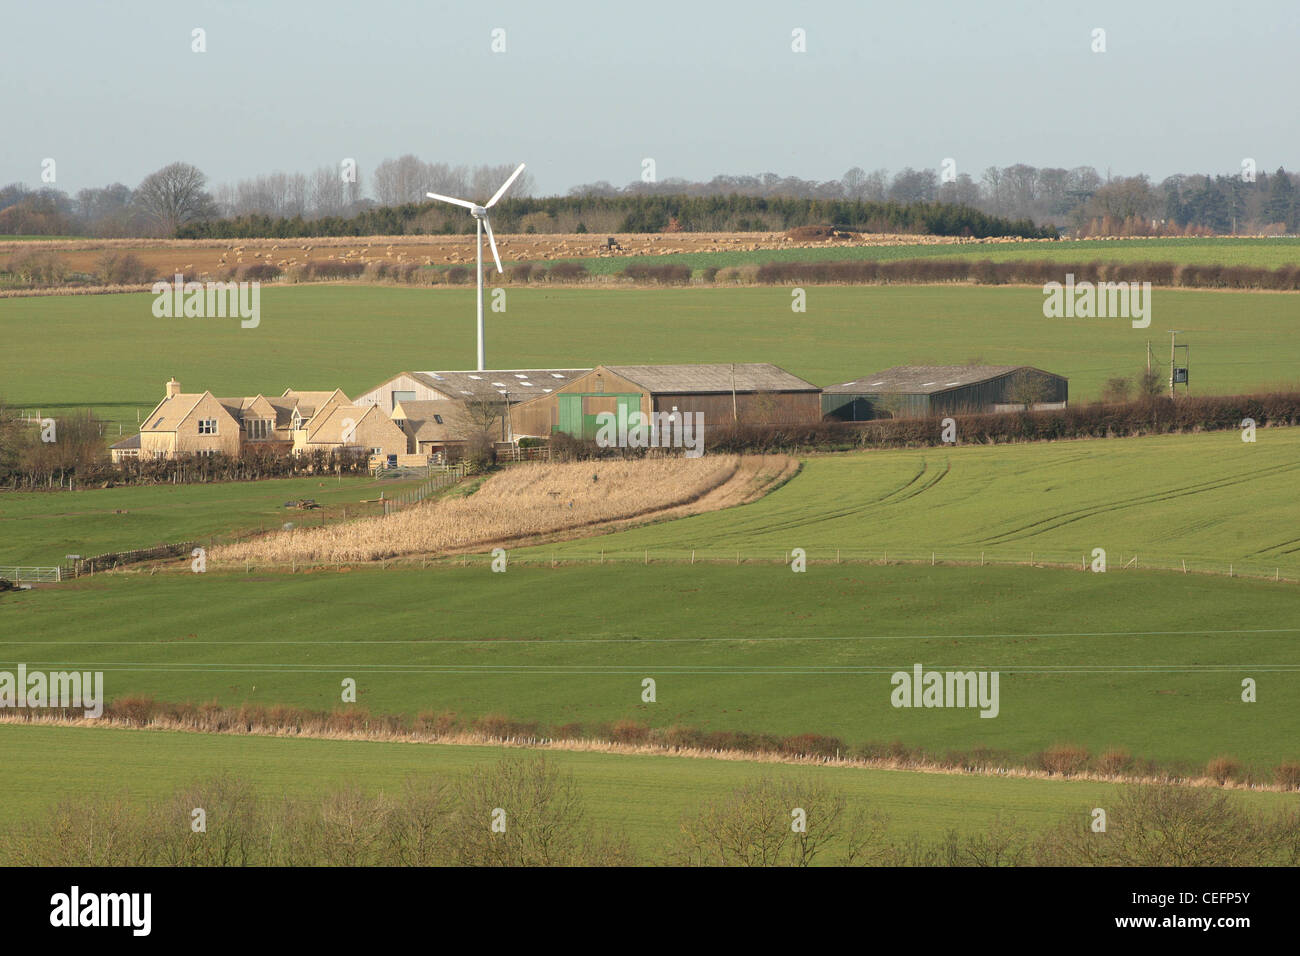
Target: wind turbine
(480, 214)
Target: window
(376, 451)
(258, 429)
(207, 426)
(438, 419)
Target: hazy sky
(586, 90)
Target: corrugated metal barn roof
(521, 383)
(924, 379)
(749, 377)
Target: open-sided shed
(907, 391)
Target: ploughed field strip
(1150, 662)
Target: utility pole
(1178, 374)
(735, 415)
(1173, 336)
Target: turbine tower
(480, 214)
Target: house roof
(422, 420)
(924, 379)
(171, 411)
(127, 443)
(235, 406)
(283, 411)
(310, 402)
(746, 377)
(328, 426)
(520, 384)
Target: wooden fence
(444, 475)
(116, 559)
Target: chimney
(173, 388)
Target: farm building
(125, 449)
(441, 429)
(339, 426)
(515, 385)
(750, 392)
(190, 423)
(908, 391)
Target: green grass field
(1154, 658)
(40, 528)
(643, 796)
(1148, 661)
(111, 354)
(1263, 253)
(1210, 499)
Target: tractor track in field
(1061, 519)
(908, 489)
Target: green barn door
(570, 414)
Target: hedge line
(1151, 416)
(1032, 272)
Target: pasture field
(111, 354)
(1147, 661)
(644, 797)
(39, 528)
(1210, 499)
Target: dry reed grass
(523, 501)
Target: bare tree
(1028, 390)
(173, 196)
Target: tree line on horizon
(1016, 200)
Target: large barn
(908, 391)
(514, 385)
(756, 393)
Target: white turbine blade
(492, 242)
(458, 202)
(504, 186)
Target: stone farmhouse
(186, 424)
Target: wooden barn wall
(382, 395)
